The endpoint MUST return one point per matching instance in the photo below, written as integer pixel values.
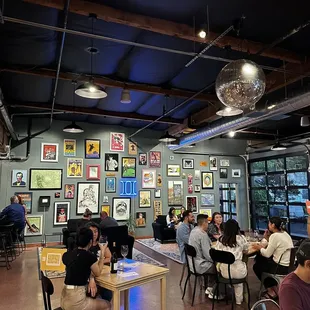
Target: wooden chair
(47, 291)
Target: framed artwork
(144, 199)
(223, 173)
(197, 174)
(224, 162)
(45, 179)
(105, 208)
(187, 163)
(192, 203)
(92, 172)
(69, 191)
(105, 199)
(177, 211)
(197, 188)
(141, 219)
(157, 193)
(26, 199)
(207, 180)
(158, 208)
(159, 181)
(236, 173)
(19, 178)
(111, 162)
(110, 185)
(155, 159)
(128, 167)
(49, 152)
(148, 178)
(213, 163)
(173, 170)
(75, 168)
(132, 148)
(69, 147)
(175, 193)
(57, 195)
(171, 157)
(142, 159)
(206, 211)
(88, 197)
(36, 222)
(117, 142)
(61, 213)
(207, 199)
(92, 148)
(121, 208)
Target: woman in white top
(171, 218)
(232, 241)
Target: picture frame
(158, 208)
(197, 188)
(132, 148)
(224, 163)
(159, 181)
(142, 159)
(36, 222)
(75, 167)
(19, 178)
(207, 199)
(188, 163)
(92, 148)
(106, 208)
(175, 193)
(110, 185)
(140, 219)
(236, 173)
(155, 159)
(207, 180)
(87, 197)
(213, 163)
(61, 213)
(129, 167)
(223, 173)
(117, 142)
(92, 172)
(69, 147)
(49, 152)
(157, 193)
(173, 170)
(144, 198)
(26, 198)
(121, 208)
(45, 179)
(111, 161)
(206, 212)
(148, 178)
(192, 203)
(69, 191)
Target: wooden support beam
(92, 112)
(104, 81)
(205, 115)
(165, 27)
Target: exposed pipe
(6, 118)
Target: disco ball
(240, 84)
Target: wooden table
(146, 273)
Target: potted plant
(131, 224)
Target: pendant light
(278, 146)
(125, 97)
(229, 111)
(166, 138)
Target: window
(228, 201)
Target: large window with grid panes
(279, 186)
(228, 204)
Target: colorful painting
(74, 167)
(105, 208)
(88, 197)
(19, 178)
(192, 203)
(69, 191)
(207, 180)
(155, 159)
(173, 170)
(158, 208)
(132, 148)
(142, 159)
(61, 213)
(141, 219)
(49, 152)
(110, 185)
(187, 163)
(175, 193)
(111, 162)
(206, 212)
(117, 142)
(128, 167)
(92, 172)
(45, 179)
(148, 178)
(145, 199)
(26, 200)
(69, 147)
(213, 163)
(92, 148)
(207, 200)
(36, 222)
(121, 208)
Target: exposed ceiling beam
(205, 115)
(92, 112)
(165, 27)
(104, 81)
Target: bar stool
(4, 250)
(7, 230)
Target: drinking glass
(124, 251)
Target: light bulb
(232, 134)
(202, 34)
(228, 109)
(92, 89)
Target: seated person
(180, 216)
(79, 265)
(171, 218)
(232, 241)
(276, 257)
(216, 227)
(107, 221)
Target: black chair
(161, 231)
(8, 230)
(4, 250)
(47, 291)
(228, 258)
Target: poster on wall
(88, 197)
(74, 167)
(36, 222)
(45, 179)
(106, 208)
(187, 163)
(224, 162)
(158, 208)
(92, 148)
(148, 178)
(69, 147)
(111, 162)
(206, 212)
(155, 159)
(61, 213)
(26, 198)
(110, 185)
(49, 152)
(213, 163)
(132, 148)
(173, 170)
(159, 181)
(92, 172)
(141, 219)
(207, 199)
(144, 199)
(128, 167)
(223, 173)
(142, 159)
(175, 193)
(69, 191)
(19, 178)
(192, 203)
(121, 208)
(117, 142)
(206, 180)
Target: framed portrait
(49, 152)
(69, 191)
(110, 185)
(61, 213)
(206, 180)
(36, 222)
(173, 170)
(88, 197)
(117, 142)
(236, 173)
(223, 173)
(132, 148)
(213, 163)
(19, 178)
(128, 167)
(175, 193)
(148, 178)
(142, 159)
(45, 179)
(192, 203)
(26, 199)
(187, 163)
(92, 148)
(141, 219)
(157, 193)
(111, 162)
(197, 188)
(92, 172)
(69, 147)
(224, 162)
(106, 208)
(75, 168)
(207, 199)
(121, 208)
(155, 159)
(144, 199)
(158, 208)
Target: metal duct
(209, 132)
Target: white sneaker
(220, 297)
(209, 290)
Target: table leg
(126, 300)
(116, 300)
(163, 288)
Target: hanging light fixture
(228, 111)
(167, 138)
(231, 134)
(125, 97)
(304, 121)
(278, 147)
